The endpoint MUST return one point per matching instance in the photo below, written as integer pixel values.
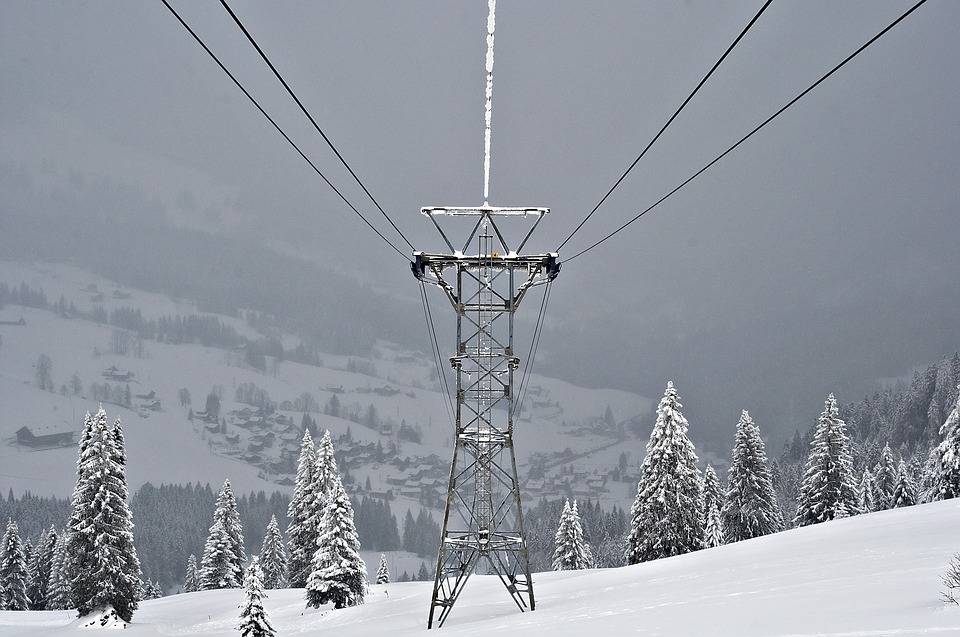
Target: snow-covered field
(872, 575)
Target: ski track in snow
(874, 575)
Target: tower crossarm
(429, 267)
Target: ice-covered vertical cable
(488, 99)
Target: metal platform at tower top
(497, 211)
(486, 215)
(485, 279)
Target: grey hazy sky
(822, 254)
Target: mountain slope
(876, 574)
(164, 446)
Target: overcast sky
(822, 254)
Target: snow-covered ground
(872, 575)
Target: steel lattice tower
(485, 281)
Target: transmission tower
(485, 281)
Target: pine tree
(40, 566)
(867, 499)
(570, 553)
(226, 512)
(383, 574)
(273, 557)
(423, 575)
(302, 531)
(713, 534)
(327, 472)
(712, 491)
(338, 574)
(13, 570)
(191, 580)
(253, 618)
(104, 568)
(905, 491)
(945, 459)
(125, 544)
(828, 490)
(750, 508)
(58, 587)
(218, 568)
(667, 515)
(884, 480)
(150, 590)
(943, 395)
(28, 554)
(80, 548)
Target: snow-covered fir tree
(191, 579)
(828, 490)
(218, 568)
(104, 568)
(150, 589)
(867, 500)
(383, 573)
(273, 557)
(302, 531)
(713, 534)
(58, 588)
(750, 507)
(327, 472)
(904, 491)
(667, 515)
(13, 570)
(40, 566)
(227, 513)
(423, 575)
(884, 480)
(944, 466)
(128, 553)
(80, 547)
(570, 551)
(338, 574)
(712, 491)
(253, 618)
(28, 554)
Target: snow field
(872, 575)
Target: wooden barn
(26, 437)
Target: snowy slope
(166, 447)
(876, 574)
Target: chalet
(114, 373)
(20, 322)
(152, 405)
(26, 437)
(149, 396)
(410, 490)
(398, 480)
